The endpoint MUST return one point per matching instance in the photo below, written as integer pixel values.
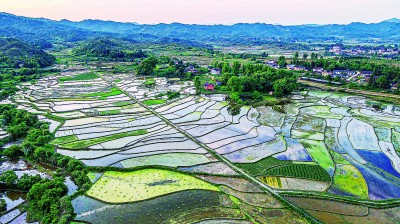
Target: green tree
(12, 151)
(296, 57)
(226, 68)
(147, 66)
(382, 82)
(235, 84)
(197, 83)
(282, 62)
(8, 178)
(236, 68)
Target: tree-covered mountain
(15, 53)
(109, 48)
(22, 27)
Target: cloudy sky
(286, 12)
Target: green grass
(321, 112)
(260, 166)
(153, 102)
(103, 95)
(149, 82)
(271, 166)
(348, 179)
(302, 171)
(123, 187)
(93, 141)
(396, 141)
(91, 176)
(122, 103)
(64, 140)
(118, 80)
(320, 154)
(80, 77)
(337, 158)
(110, 112)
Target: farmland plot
(325, 143)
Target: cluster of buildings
(191, 69)
(349, 75)
(359, 51)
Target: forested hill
(16, 26)
(15, 53)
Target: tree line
(47, 199)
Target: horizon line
(199, 24)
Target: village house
(209, 86)
(290, 67)
(394, 87)
(272, 64)
(366, 74)
(299, 68)
(215, 71)
(318, 70)
(295, 68)
(343, 73)
(326, 73)
(336, 49)
(191, 69)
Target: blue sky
(288, 12)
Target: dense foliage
(10, 180)
(47, 202)
(111, 49)
(384, 74)
(15, 53)
(47, 199)
(248, 81)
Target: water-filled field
(188, 160)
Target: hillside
(108, 48)
(15, 53)
(29, 28)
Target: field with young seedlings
(187, 159)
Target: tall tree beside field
(282, 61)
(235, 84)
(236, 68)
(226, 68)
(197, 83)
(147, 66)
(296, 57)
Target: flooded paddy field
(188, 160)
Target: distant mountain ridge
(393, 20)
(27, 28)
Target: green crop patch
(64, 139)
(80, 77)
(302, 171)
(110, 112)
(348, 179)
(261, 166)
(122, 187)
(93, 141)
(103, 95)
(122, 103)
(153, 102)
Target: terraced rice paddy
(190, 160)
